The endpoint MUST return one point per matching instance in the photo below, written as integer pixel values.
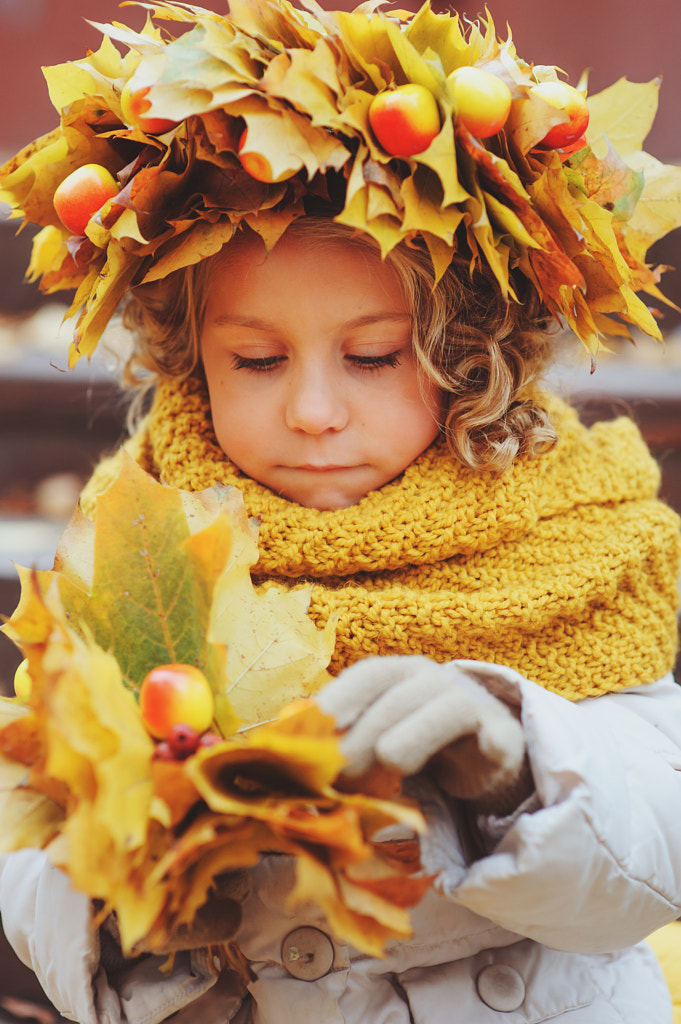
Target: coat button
(500, 987)
(307, 953)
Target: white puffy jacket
(547, 926)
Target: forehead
(304, 269)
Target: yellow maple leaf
(658, 210)
(624, 113)
(94, 76)
(29, 817)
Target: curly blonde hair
(484, 352)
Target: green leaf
(144, 603)
(610, 181)
(162, 576)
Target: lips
(320, 469)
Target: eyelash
(267, 364)
(391, 359)
(264, 365)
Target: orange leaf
(22, 741)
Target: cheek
(432, 403)
(415, 408)
(225, 405)
(232, 427)
(242, 420)
(417, 422)
(401, 426)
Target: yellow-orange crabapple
(172, 695)
(82, 194)
(23, 684)
(135, 105)
(255, 164)
(405, 120)
(572, 104)
(482, 100)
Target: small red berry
(163, 752)
(183, 740)
(209, 739)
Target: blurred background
(611, 38)
(54, 423)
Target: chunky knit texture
(564, 568)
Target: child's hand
(410, 714)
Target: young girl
(505, 582)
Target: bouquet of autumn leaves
(161, 577)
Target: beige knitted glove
(411, 714)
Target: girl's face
(312, 380)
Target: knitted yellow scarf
(565, 568)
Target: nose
(315, 402)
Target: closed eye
(262, 364)
(375, 362)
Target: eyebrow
(258, 324)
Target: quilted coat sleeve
(593, 863)
(50, 926)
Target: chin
(332, 506)
(324, 502)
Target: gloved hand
(410, 714)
